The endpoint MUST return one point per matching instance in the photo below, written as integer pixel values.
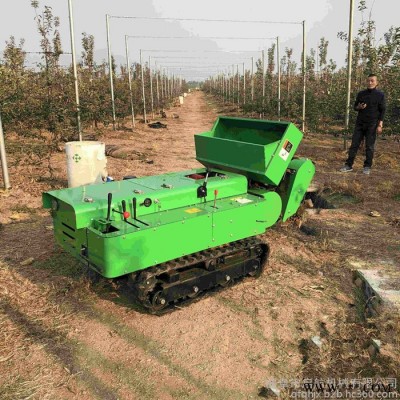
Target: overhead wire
(200, 37)
(206, 20)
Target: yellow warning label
(193, 210)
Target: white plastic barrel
(86, 162)
(180, 99)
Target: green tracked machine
(179, 234)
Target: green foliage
(326, 84)
(39, 103)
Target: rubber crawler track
(147, 283)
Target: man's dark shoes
(346, 168)
(366, 170)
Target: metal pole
(244, 85)
(222, 84)
(128, 67)
(151, 89)
(238, 84)
(233, 84)
(158, 90)
(252, 79)
(226, 86)
(349, 65)
(279, 78)
(6, 178)
(303, 124)
(71, 31)
(143, 93)
(110, 68)
(166, 84)
(162, 83)
(229, 86)
(169, 84)
(263, 83)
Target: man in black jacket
(370, 104)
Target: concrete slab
(381, 288)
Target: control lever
(108, 220)
(202, 189)
(125, 214)
(134, 207)
(215, 197)
(109, 201)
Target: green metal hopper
(259, 149)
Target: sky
(198, 56)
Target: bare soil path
(61, 337)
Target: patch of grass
(396, 197)
(183, 394)
(350, 189)
(235, 306)
(22, 208)
(254, 331)
(302, 264)
(386, 187)
(387, 161)
(256, 360)
(18, 388)
(62, 264)
(339, 199)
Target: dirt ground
(64, 338)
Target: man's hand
(379, 129)
(361, 106)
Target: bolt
(161, 301)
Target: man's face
(372, 82)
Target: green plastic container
(259, 149)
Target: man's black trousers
(367, 131)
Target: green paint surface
(253, 182)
